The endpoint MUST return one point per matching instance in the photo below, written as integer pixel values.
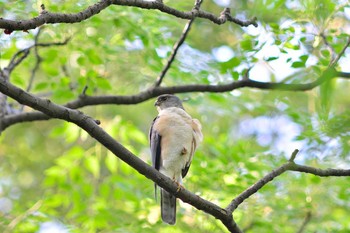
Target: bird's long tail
(168, 207)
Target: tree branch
(91, 126)
(186, 15)
(85, 100)
(47, 17)
(289, 166)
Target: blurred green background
(55, 178)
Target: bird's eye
(164, 98)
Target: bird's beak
(156, 103)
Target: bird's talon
(179, 186)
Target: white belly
(176, 142)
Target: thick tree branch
(91, 126)
(289, 166)
(85, 100)
(47, 17)
(223, 18)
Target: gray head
(167, 101)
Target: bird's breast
(175, 128)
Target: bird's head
(168, 101)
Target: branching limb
(256, 187)
(289, 166)
(47, 17)
(85, 100)
(186, 15)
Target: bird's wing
(155, 145)
(167, 200)
(196, 139)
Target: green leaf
(63, 95)
(92, 164)
(111, 162)
(235, 75)
(103, 84)
(40, 86)
(304, 58)
(291, 46)
(247, 44)
(94, 57)
(298, 64)
(325, 53)
(51, 55)
(272, 58)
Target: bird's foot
(179, 186)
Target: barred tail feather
(168, 207)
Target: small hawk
(174, 137)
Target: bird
(174, 136)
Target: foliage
(53, 172)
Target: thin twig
(17, 59)
(328, 45)
(305, 222)
(337, 58)
(38, 60)
(22, 54)
(177, 46)
(23, 216)
(294, 154)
